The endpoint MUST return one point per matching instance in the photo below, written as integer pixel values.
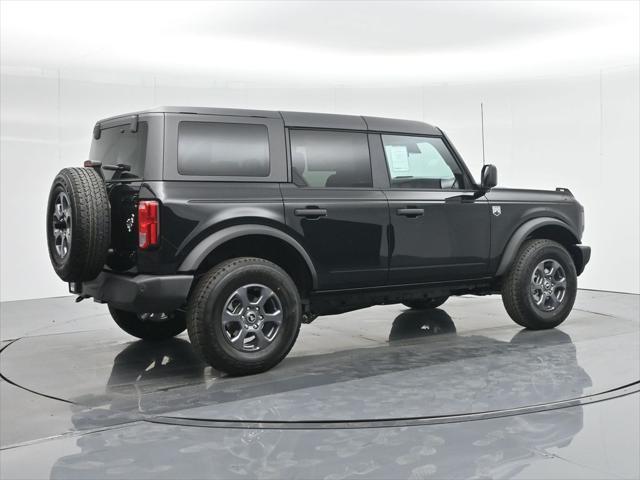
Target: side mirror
(489, 177)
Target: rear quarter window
(324, 158)
(223, 149)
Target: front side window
(223, 149)
(330, 159)
(421, 162)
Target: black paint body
(364, 249)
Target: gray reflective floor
(460, 392)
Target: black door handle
(310, 213)
(410, 212)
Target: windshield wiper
(121, 173)
(120, 167)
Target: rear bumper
(581, 255)
(142, 293)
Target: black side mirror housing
(489, 177)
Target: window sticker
(399, 158)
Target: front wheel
(150, 326)
(244, 315)
(540, 289)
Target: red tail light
(148, 223)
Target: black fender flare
(521, 233)
(210, 243)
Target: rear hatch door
(122, 151)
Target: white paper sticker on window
(399, 158)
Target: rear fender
(209, 244)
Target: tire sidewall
(90, 224)
(278, 281)
(559, 254)
(62, 266)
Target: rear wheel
(78, 224)
(244, 315)
(425, 303)
(150, 326)
(540, 289)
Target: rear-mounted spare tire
(78, 224)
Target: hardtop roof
(304, 119)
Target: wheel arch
(542, 227)
(254, 240)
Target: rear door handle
(410, 212)
(310, 213)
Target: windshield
(120, 145)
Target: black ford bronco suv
(239, 225)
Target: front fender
(521, 233)
(210, 243)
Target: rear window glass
(223, 149)
(121, 145)
(330, 159)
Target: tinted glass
(120, 145)
(223, 149)
(421, 162)
(330, 159)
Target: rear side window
(121, 145)
(223, 149)
(421, 162)
(330, 159)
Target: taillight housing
(148, 223)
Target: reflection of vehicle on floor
(239, 225)
(146, 367)
(419, 323)
(140, 370)
(492, 448)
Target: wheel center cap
(251, 317)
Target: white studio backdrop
(559, 82)
(579, 132)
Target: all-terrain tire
(152, 327)
(211, 295)
(80, 252)
(425, 303)
(517, 284)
